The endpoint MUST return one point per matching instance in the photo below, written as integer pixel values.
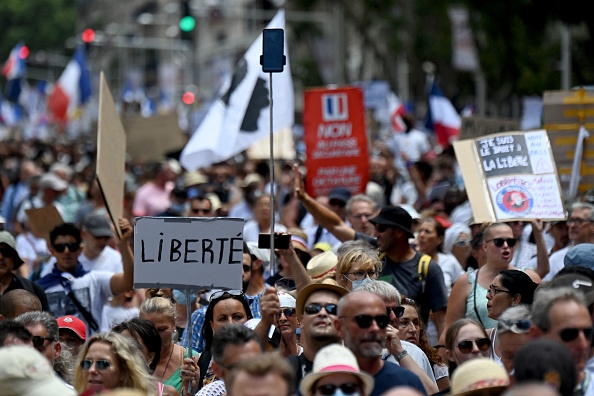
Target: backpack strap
(423, 270)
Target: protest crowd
(394, 289)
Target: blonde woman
(357, 265)
(108, 361)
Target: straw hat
(334, 359)
(314, 287)
(322, 265)
(478, 374)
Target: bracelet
(401, 355)
(439, 346)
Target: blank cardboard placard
(111, 155)
(150, 138)
(283, 146)
(43, 220)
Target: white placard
(188, 252)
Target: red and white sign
(336, 140)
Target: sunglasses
(511, 242)
(100, 365)
(39, 342)
(365, 321)
(381, 227)
(336, 202)
(483, 344)
(398, 311)
(571, 333)
(347, 388)
(463, 242)
(72, 247)
(6, 252)
(314, 308)
(288, 312)
(218, 294)
(247, 268)
(201, 211)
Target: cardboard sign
(511, 176)
(43, 220)
(188, 252)
(564, 112)
(111, 155)
(150, 138)
(336, 140)
(473, 127)
(283, 146)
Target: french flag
(396, 110)
(72, 89)
(442, 117)
(14, 70)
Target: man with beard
(316, 310)
(361, 323)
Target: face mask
(179, 208)
(180, 297)
(357, 283)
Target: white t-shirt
(251, 230)
(556, 263)
(112, 316)
(92, 290)
(109, 260)
(451, 269)
(30, 247)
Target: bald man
(17, 302)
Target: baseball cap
(394, 216)
(25, 371)
(73, 324)
(339, 193)
(314, 287)
(476, 375)
(98, 226)
(52, 181)
(7, 239)
(581, 254)
(333, 359)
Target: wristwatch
(401, 355)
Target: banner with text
(188, 253)
(336, 140)
(516, 177)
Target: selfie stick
(272, 61)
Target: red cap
(75, 324)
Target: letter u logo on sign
(335, 107)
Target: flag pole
(272, 192)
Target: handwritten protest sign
(515, 179)
(188, 253)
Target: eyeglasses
(571, 333)
(39, 342)
(511, 242)
(348, 388)
(362, 274)
(579, 222)
(218, 294)
(382, 227)
(337, 202)
(72, 247)
(247, 268)
(493, 291)
(360, 216)
(515, 326)
(483, 344)
(100, 365)
(288, 312)
(365, 321)
(314, 308)
(462, 242)
(200, 211)
(398, 311)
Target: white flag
(240, 114)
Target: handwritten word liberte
(205, 251)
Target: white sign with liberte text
(188, 252)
